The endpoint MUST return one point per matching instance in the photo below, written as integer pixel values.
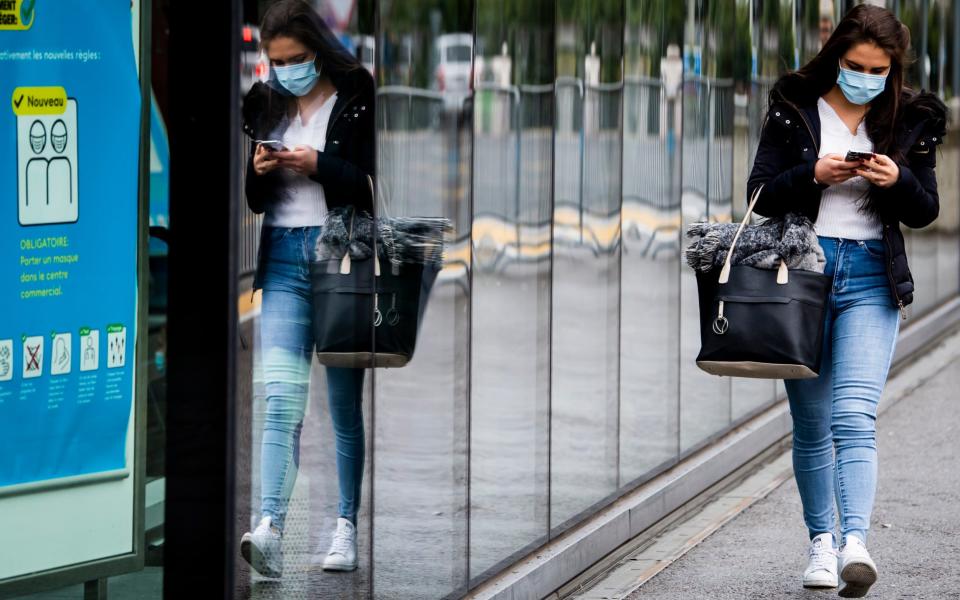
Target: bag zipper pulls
(345, 261)
(720, 324)
(377, 315)
(903, 310)
(783, 274)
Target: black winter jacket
(343, 165)
(788, 151)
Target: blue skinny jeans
(834, 415)
(286, 346)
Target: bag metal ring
(721, 325)
(393, 316)
(377, 318)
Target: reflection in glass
(649, 320)
(421, 433)
(570, 143)
(512, 176)
(707, 195)
(948, 225)
(932, 250)
(586, 277)
(304, 433)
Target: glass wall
(421, 438)
(584, 447)
(932, 250)
(650, 261)
(566, 146)
(510, 306)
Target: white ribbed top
(301, 203)
(840, 216)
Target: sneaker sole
(337, 567)
(821, 584)
(255, 558)
(858, 578)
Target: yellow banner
(50, 100)
(16, 15)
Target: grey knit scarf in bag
(411, 240)
(791, 238)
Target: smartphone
(854, 156)
(273, 145)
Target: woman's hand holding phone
(264, 160)
(302, 160)
(832, 169)
(880, 170)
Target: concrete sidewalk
(914, 529)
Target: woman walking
(317, 111)
(850, 97)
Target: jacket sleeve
(259, 189)
(349, 176)
(913, 199)
(787, 187)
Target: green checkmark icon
(26, 12)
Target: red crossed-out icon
(33, 361)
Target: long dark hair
(263, 106)
(864, 23)
(296, 19)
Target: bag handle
(345, 261)
(782, 273)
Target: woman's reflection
(313, 127)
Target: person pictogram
(89, 352)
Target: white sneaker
(343, 549)
(821, 569)
(263, 550)
(857, 569)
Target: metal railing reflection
(248, 230)
(503, 233)
(419, 166)
(650, 215)
(586, 213)
(512, 134)
(515, 116)
(707, 144)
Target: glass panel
(937, 277)
(302, 442)
(512, 208)
(707, 148)
(925, 72)
(586, 278)
(948, 158)
(424, 141)
(650, 321)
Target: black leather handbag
(365, 317)
(760, 322)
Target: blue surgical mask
(860, 88)
(297, 79)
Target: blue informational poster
(69, 155)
